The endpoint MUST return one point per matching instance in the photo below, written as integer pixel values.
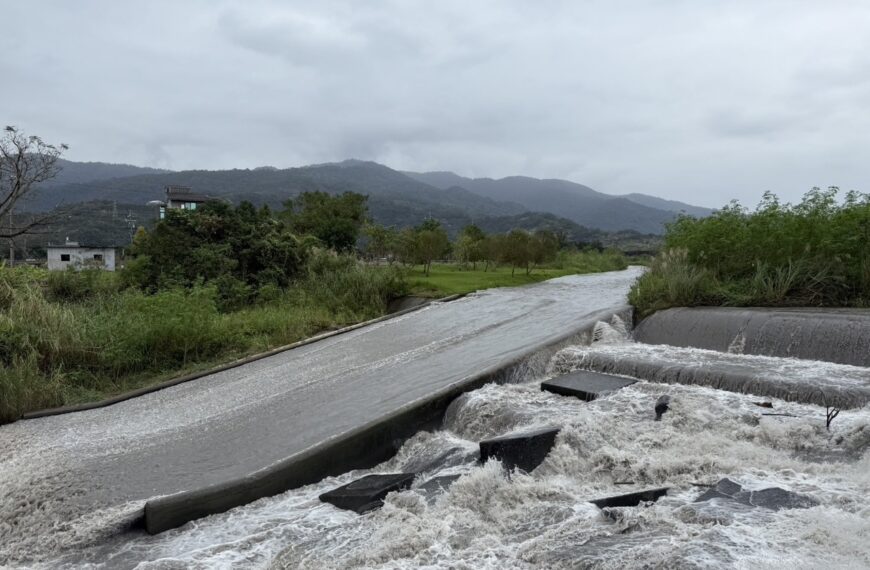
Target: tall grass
(78, 337)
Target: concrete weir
(841, 336)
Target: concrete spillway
(833, 335)
(73, 480)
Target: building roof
(188, 197)
(82, 246)
(184, 194)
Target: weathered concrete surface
(95, 470)
(833, 335)
(585, 385)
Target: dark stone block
(523, 450)
(728, 487)
(631, 499)
(774, 498)
(712, 494)
(585, 385)
(367, 493)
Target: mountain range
(395, 198)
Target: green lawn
(448, 279)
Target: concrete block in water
(631, 499)
(586, 385)
(367, 493)
(774, 498)
(436, 486)
(524, 450)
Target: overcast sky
(700, 101)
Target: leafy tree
(469, 247)
(237, 247)
(517, 249)
(336, 220)
(542, 248)
(491, 250)
(431, 242)
(381, 241)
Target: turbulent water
(489, 518)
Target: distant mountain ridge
(579, 203)
(79, 172)
(395, 198)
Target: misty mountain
(576, 202)
(78, 172)
(669, 205)
(394, 199)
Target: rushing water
(492, 519)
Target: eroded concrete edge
(234, 364)
(361, 448)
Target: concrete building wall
(60, 258)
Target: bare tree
(25, 161)
(831, 410)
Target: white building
(71, 254)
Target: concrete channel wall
(841, 336)
(361, 448)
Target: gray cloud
(694, 101)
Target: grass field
(449, 278)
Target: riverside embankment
(75, 480)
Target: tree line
(428, 242)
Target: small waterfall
(833, 335)
(788, 379)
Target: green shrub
(350, 286)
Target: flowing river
(460, 514)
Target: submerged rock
(368, 493)
(663, 404)
(586, 385)
(524, 450)
(774, 498)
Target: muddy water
(491, 519)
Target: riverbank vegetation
(814, 253)
(453, 278)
